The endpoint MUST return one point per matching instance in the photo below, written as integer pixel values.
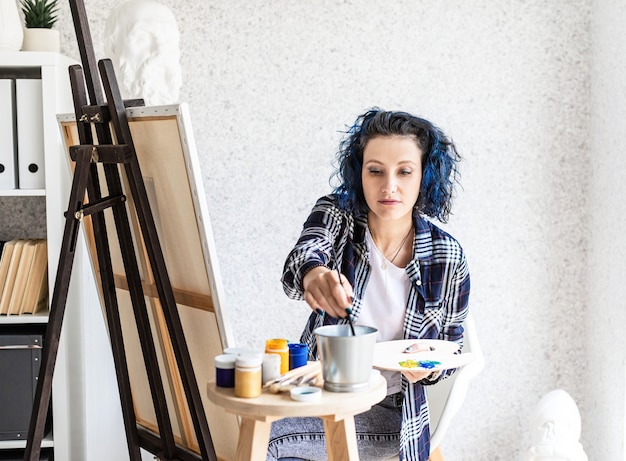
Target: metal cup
(346, 359)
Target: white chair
(446, 397)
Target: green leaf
(40, 13)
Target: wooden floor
(436, 455)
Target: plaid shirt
(436, 306)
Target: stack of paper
(23, 277)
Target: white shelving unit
(22, 192)
(86, 415)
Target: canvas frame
(167, 154)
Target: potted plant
(39, 17)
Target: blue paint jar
(298, 355)
(225, 370)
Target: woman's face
(391, 176)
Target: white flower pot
(41, 40)
(11, 32)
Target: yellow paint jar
(248, 376)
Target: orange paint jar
(280, 347)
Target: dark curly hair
(439, 161)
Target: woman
(400, 273)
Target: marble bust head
(555, 430)
(141, 37)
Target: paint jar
(271, 367)
(225, 370)
(298, 355)
(240, 351)
(279, 346)
(248, 376)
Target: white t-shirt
(384, 304)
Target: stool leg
(436, 455)
(254, 437)
(341, 439)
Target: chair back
(446, 397)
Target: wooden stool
(336, 409)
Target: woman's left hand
(415, 376)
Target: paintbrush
(298, 376)
(348, 310)
(295, 374)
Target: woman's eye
(406, 172)
(374, 171)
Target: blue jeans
(302, 439)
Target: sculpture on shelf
(555, 427)
(141, 37)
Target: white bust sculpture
(141, 38)
(555, 427)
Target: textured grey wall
(22, 217)
(270, 86)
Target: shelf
(30, 58)
(51, 68)
(76, 411)
(47, 442)
(26, 319)
(22, 192)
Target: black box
(20, 360)
(18, 455)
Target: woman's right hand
(323, 290)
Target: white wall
(606, 356)
(271, 85)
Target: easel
(92, 110)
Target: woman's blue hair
(439, 161)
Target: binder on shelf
(8, 159)
(5, 261)
(5, 299)
(36, 290)
(23, 269)
(30, 147)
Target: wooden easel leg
(436, 455)
(77, 80)
(137, 187)
(43, 390)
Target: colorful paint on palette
(427, 364)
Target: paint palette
(438, 355)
